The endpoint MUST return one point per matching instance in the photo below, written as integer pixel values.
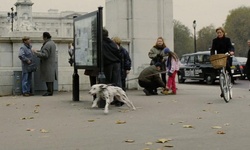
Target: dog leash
(146, 76)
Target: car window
(184, 59)
(191, 60)
(206, 58)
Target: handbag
(32, 67)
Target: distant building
(60, 23)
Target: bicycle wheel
(224, 87)
(230, 87)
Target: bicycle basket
(218, 61)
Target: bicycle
(219, 61)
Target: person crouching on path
(150, 79)
(172, 67)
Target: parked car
(240, 62)
(197, 66)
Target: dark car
(197, 66)
(240, 62)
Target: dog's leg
(95, 102)
(107, 98)
(124, 98)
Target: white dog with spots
(108, 92)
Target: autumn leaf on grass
(163, 140)
(120, 122)
(129, 141)
(221, 132)
(187, 126)
(216, 127)
(44, 131)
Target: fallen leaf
(188, 126)
(221, 132)
(209, 103)
(31, 117)
(181, 121)
(120, 122)
(37, 105)
(163, 140)
(30, 129)
(149, 143)
(226, 124)
(199, 117)
(44, 131)
(129, 141)
(7, 104)
(36, 111)
(168, 146)
(91, 120)
(216, 127)
(124, 111)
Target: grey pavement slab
(70, 125)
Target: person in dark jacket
(222, 44)
(125, 62)
(150, 79)
(26, 56)
(111, 60)
(247, 68)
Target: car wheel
(180, 79)
(210, 79)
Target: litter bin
(17, 85)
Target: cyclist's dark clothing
(222, 46)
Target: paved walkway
(186, 120)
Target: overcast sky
(205, 12)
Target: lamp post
(11, 16)
(194, 26)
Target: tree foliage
(205, 37)
(237, 28)
(183, 41)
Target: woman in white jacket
(172, 67)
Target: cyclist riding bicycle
(222, 45)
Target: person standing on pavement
(125, 62)
(172, 67)
(150, 79)
(156, 55)
(247, 68)
(47, 56)
(26, 57)
(111, 60)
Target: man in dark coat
(150, 79)
(111, 61)
(47, 56)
